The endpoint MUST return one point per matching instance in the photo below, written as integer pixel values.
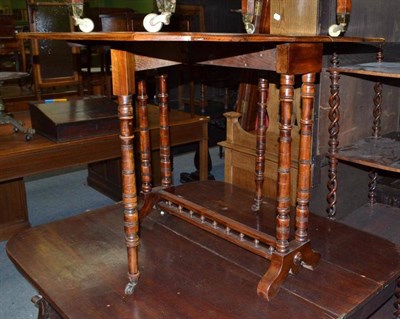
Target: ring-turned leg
(123, 80)
(261, 142)
(165, 148)
(129, 193)
(145, 150)
(290, 256)
(285, 129)
(307, 257)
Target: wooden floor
(79, 266)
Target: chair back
(46, 54)
(10, 46)
(116, 22)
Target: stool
(7, 118)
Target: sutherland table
(165, 292)
(19, 159)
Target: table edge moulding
(289, 56)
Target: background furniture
(12, 50)
(105, 176)
(19, 159)
(240, 156)
(6, 118)
(48, 73)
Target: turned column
(285, 128)
(165, 149)
(145, 149)
(260, 142)
(304, 173)
(124, 86)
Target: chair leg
(203, 98)
(18, 126)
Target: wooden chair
(46, 55)
(11, 47)
(220, 208)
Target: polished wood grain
(294, 17)
(80, 268)
(240, 156)
(192, 37)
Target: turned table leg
(288, 257)
(261, 142)
(285, 128)
(123, 79)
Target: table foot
(130, 288)
(46, 311)
(284, 264)
(133, 281)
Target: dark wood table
(357, 283)
(79, 266)
(19, 159)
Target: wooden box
(75, 119)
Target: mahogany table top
(191, 37)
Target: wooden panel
(240, 157)
(371, 18)
(13, 208)
(294, 17)
(299, 58)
